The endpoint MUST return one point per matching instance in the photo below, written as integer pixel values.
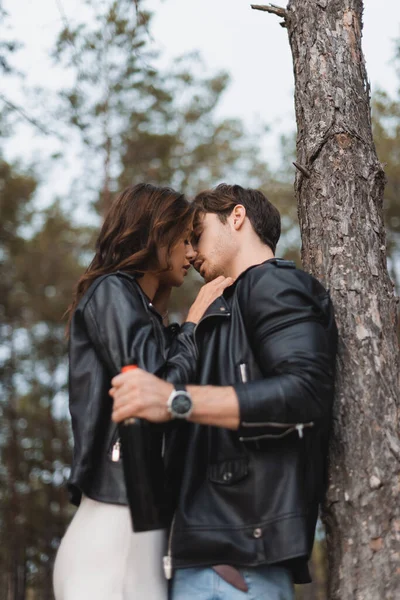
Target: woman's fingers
(214, 288)
(206, 296)
(226, 282)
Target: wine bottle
(141, 446)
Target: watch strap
(180, 387)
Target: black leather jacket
(114, 320)
(251, 496)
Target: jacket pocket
(228, 472)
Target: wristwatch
(180, 403)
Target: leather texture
(251, 497)
(113, 321)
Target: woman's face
(180, 259)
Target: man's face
(215, 246)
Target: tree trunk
(339, 192)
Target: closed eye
(195, 238)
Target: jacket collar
(144, 296)
(219, 307)
(278, 262)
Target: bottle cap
(130, 361)
(129, 364)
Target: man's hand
(139, 394)
(142, 395)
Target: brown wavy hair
(221, 200)
(141, 219)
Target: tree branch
(275, 10)
(272, 8)
(303, 170)
(30, 120)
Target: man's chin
(210, 276)
(206, 276)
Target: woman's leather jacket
(113, 321)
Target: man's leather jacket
(113, 321)
(251, 496)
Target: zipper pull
(300, 428)
(116, 451)
(167, 564)
(243, 372)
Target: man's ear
(237, 216)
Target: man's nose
(191, 253)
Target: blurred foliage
(136, 121)
(37, 273)
(386, 129)
(140, 122)
(7, 46)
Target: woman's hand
(206, 296)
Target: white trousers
(101, 558)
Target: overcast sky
(253, 47)
(249, 44)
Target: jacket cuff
(246, 408)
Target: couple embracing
(242, 391)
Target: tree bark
(340, 196)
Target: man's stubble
(220, 257)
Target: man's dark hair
(221, 200)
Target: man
(257, 425)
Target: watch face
(181, 404)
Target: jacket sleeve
(120, 326)
(294, 346)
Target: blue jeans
(264, 583)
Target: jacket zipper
(163, 444)
(298, 426)
(115, 450)
(288, 426)
(167, 560)
(243, 372)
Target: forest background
(95, 96)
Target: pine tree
(40, 264)
(340, 191)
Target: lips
(197, 265)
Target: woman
(118, 311)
